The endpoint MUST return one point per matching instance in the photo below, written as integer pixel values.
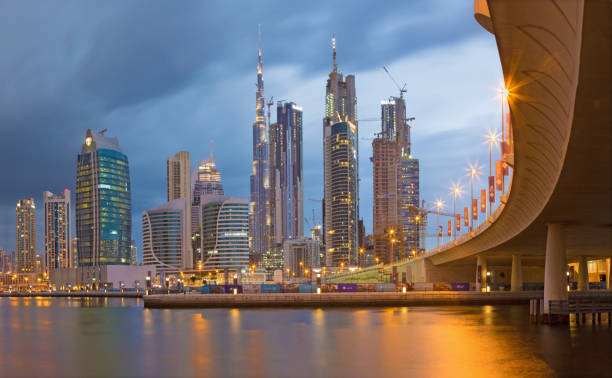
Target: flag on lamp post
(492, 189)
(458, 223)
(466, 216)
(498, 175)
(450, 228)
(475, 209)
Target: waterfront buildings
(103, 202)
(341, 156)
(259, 207)
(286, 190)
(56, 220)
(205, 181)
(166, 236)
(133, 254)
(300, 256)
(225, 233)
(26, 235)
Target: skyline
(302, 83)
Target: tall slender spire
(259, 68)
(334, 52)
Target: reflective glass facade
(103, 203)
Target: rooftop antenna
(259, 69)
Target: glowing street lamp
(456, 190)
(492, 139)
(473, 171)
(505, 93)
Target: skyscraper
(259, 211)
(286, 189)
(384, 162)
(103, 202)
(166, 236)
(205, 181)
(341, 156)
(225, 233)
(405, 195)
(178, 170)
(56, 213)
(26, 235)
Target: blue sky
(170, 76)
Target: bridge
(556, 58)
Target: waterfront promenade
(77, 294)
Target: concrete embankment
(428, 298)
(77, 294)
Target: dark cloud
(165, 76)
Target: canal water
(114, 336)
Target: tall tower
(26, 235)
(384, 162)
(178, 183)
(341, 157)
(103, 202)
(286, 189)
(206, 181)
(56, 215)
(259, 209)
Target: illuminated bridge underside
(556, 58)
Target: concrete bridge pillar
(481, 273)
(555, 277)
(583, 274)
(516, 281)
(609, 281)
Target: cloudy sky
(167, 76)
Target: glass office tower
(103, 203)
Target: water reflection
(111, 336)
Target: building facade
(300, 256)
(178, 176)
(206, 181)
(225, 233)
(26, 235)
(166, 236)
(286, 188)
(103, 203)
(56, 219)
(384, 179)
(259, 207)
(341, 171)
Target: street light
(473, 171)
(492, 139)
(505, 93)
(456, 190)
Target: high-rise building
(178, 179)
(384, 161)
(396, 131)
(103, 202)
(166, 236)
(205, 181)
(133, 254)
(225, 233)
(56, 213)
(73, 251)
(286, 189)
(259, 207)
(340, 159)
(300, 256)
(26, 235)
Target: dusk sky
(169, 76)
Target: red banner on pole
(466, 216)
(492, 189)
(475, 209)
(450, 228)
(498, 175)
(483, 201)
(458, 222)
(441, 231)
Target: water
(104, 337)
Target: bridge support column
(583, 274)
(516, 281)
(555, 287)
(481, 273)
(609, 281)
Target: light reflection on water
(112, 336)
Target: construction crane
(401, 89)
